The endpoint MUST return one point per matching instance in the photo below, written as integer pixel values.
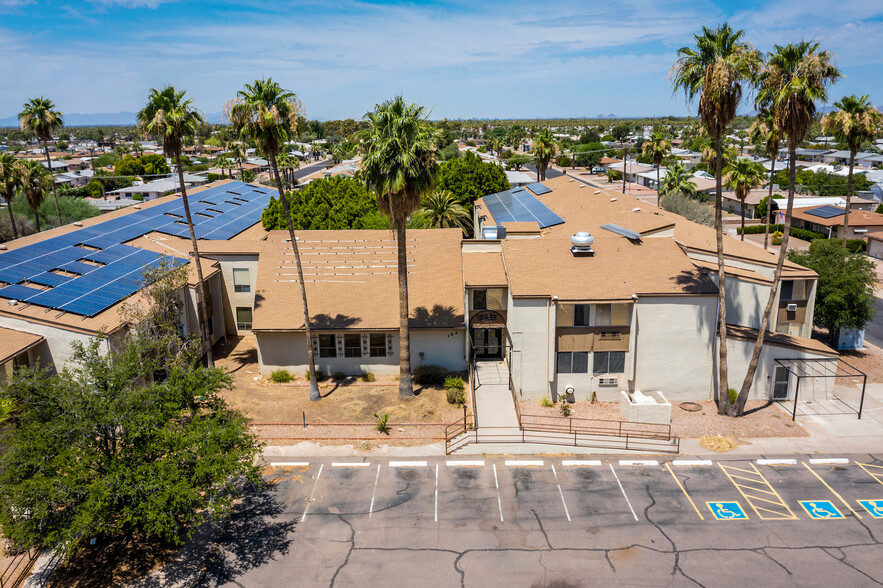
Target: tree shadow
(439, 317)
(326, 321)
(695, 282)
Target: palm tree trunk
(657, 182)
(11, 216)
(314, 384)
(742, 210)
(406, 389)
(769, 206)
(201, 306)
(723, 396)
(52, 178)
(739, 407)
(848, 196)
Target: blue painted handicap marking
(727, 511)
(874, 507)
(820, 509)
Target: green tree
(72, 209)
(442, 211)
(154, 165)
(517, 162)
(171, 117)
(714, 71)
(763, 212)
(104, 449)
(794, 79)
(225, 165)
(588, 155)
(333, 203)
(10, 182)
(845, 290)
(267, 114)
(129, 165)
(469, 178)
(544, 150)
(687, 207)
(854, 122)
(35, 181)
(677, 180)
(657, 149)
(742, 176)
(398, 164)
(39, 116)
(765, 132)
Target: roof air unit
(581, 245)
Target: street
(874, 329)
(554, 522)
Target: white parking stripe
(621, 489)
(580, 462)
(407, 464)
(638, 462)
(373, 494)
(776, 462)
(310, 499)
(828, 460)
(554, 473)
(436, 493)
(691, 462)
(289, 464)
(517, 463)
(350, 464)
(497, 486)
(465, 463)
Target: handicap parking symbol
(874, 507)
(727, 511)
(820, 509)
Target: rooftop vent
(581, 245)
(597, 191)
(627, 233)
(493, 232)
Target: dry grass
(719, 443)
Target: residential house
(828, 220)
(875, 244)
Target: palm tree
(854, 122)
(267, 114)
(714, 71)
(765, 131)
(237, 154)
(795, 78)
(544, 150)
(224, 164)
(288, 163)
(39, 116)
(170, 117)
(35, 181)
(398, 164)
(677, 180)
(657, 147)
(742, 176)
(441, 211)
(10, 182)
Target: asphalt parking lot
(558, 523)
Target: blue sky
(461, 58)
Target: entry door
(487, 343)
(781, 383)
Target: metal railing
(17, 568)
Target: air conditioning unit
(791, 308)
(613, 381)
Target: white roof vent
(581, 244)
(636, 209)
(597, 191)
(13, 302)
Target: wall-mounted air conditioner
(608, 381)
(791, 308)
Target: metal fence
(17, 567)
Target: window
(479, 300)
(612, 315)
(602, 315)
(241, 283)
(565, 315)
(608, 362)
(327, 346)
(377, 345)
(580, 315)
(243, 318)
(793, 290)
(787, 290)
(352, 346)
(573, 362)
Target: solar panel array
(519, 205)
(826, 211)
(89, 270)
(539, 188)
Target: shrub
(368, 377)
(565, 409)
(688, 208)
(338, 376)
(470, 143)
(455, 396)
(215, 177)
(382, 426)
(430, 375)
(454, 383)
(564, 161)
(856, 245)
(796, 232)
(546, 402)
(733, 395)
(777, 238)
(281, 376)
(879, 209)
(320, 375)
(137, 196)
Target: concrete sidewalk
(494, 406)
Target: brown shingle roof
(856, 218)
(13, 342)
(782, 340)
(484, 269)
(351, 280)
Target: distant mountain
(607, 116)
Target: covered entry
(487, 335)
(818, 386)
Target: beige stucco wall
(746, 301)
(739, 354)
(56, 350)
(231, 298)
(531, 326)
(191, 324)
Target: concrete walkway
(493, 400)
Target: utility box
(638, 407)
(851, 339)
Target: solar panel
(826, 211)
(538, 188)
(627, 233)
(520, 206)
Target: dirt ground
(761, 419)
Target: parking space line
(638, 462)
(436, 493)
(828, 460)
(877, 475)
(770, 462)
(465, 463)
(497, 486)
(577, 463)
(554, 473)
(691, 462)
(310, 499)
(621, 489)
(519, 463)
(407, 464)
(834, 492)
(756, 483)
(350, 464)
(678, 482)
(289, 464)
(373, 494)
